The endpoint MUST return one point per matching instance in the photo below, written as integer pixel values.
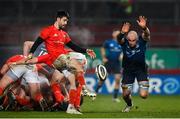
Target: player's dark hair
(62, 13)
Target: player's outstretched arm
(142, 22)
(76, 48)
(125, 29)
(26, 47)
(38, 41)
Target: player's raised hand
(125, 28)
(142, 22)
(91, 53)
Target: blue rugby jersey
(134, 58)
(113, 50)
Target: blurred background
(91, 23)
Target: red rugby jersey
(55, 41)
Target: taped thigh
(128, 87)
(143, 85)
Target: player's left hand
(142, 22)
(91, 53)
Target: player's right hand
(142, 22)
(125, 28)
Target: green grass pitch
(103, 107)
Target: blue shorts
(113, 67)
(129, 76)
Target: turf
(103, 107)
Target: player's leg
(78, 97)
(114, 68)
(23, 99)
(5, 81)
(31, 77)
(143, 91)
(63, 63)
(79, 73)
(143, 82)
(10, 102)
(116, 87)
(55, 87)
(12, 75)
(127, 86)
(72, 95)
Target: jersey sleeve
(45, 59)
(45, 33)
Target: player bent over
(29, 73)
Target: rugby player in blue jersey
(111, 52)
(134, 66)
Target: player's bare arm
(125, 29)
(142, 22)
(26, 47)
(103, 55)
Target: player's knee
(144, 86)
(144, 95)
(127, 89)
(57, 76)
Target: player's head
(62, 13)
(132, 38)
(115, 33)
(62, 18)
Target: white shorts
(43, 79)
(79, 57)
(27, 73)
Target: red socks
(78, 96)
(80, 78)
(38, 97)
(1, 91)
(22, 101)
(56, 89)
(72, 96)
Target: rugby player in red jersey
(12, 72)
(55, 38)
